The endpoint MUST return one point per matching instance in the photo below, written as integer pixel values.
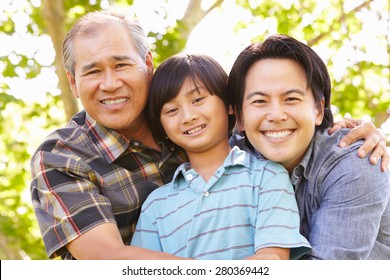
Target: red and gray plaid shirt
(84, 175)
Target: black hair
(282, 46)
(170, 77)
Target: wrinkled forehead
(95, 25)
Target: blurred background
(351, 36)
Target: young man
(223, 203)
(281, 93)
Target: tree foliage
(337, 26)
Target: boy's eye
(198, 99)
(170, 111)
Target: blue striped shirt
(248, 204)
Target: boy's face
(195, 120)
(279, 112)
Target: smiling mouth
(194, 130)
(278, 134)
(114, 101)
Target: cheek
(249, 119)
(164, 123)
(168, 125)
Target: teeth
(114, 101)
(279, 134)
(196, 129)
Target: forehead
(272, 67)
(104, 42)
(104, 33)
(275, 73)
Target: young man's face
(111, 79)
(195, 120)
(279, 114)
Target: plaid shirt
(84, 175)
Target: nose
(189, 115)
(110, 81)
(276, 112)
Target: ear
(72, 83)
(149, 63)
(240, 125)
(230, 110)
(320, 112)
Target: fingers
(345, 123)
(365, 131)
(374, 143)
(371, 144)
(385, 165)
(335, 127)
(379, 151)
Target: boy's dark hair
(170, 77)
(283, 47)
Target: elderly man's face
(111, 79)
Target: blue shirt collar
(235, 157)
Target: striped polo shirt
(248, 204)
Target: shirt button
(206, 194)
(136, 144)
(190, 177)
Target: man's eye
(292, 99)
(91, 72)
(258, 101)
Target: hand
(374, 140)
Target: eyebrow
(115, 58)
(196, 89)
(294, 90)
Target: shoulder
(335, 166)
(67, 147)
(69, 133)
(326, 150)
(158, 197)
(268, 166)
(268, 173)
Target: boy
(224, 203)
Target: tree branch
(194, 14)
(54, 15)
(315, 40)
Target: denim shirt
(343, 201)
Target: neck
(141, 133)
(207, 162)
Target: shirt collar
(235, 157)
(110, 142)
(303, 169)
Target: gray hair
(89, 24)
